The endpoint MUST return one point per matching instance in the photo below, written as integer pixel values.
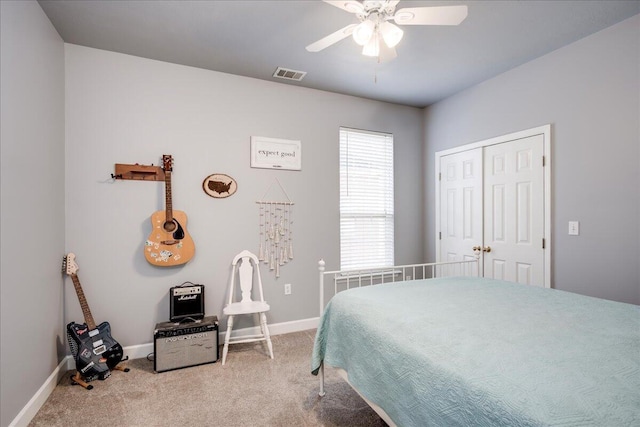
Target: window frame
(366, 205)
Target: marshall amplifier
(178, 346)
(186, 301)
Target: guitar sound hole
(169, 226)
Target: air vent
(287, 74)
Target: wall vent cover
(288, 74)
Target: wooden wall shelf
(139, 172)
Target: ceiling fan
(376, 33)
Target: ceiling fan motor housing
(378, 10)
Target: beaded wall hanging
(276, 233)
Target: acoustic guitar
(95, 352)
(169, 243)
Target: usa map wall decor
(219, 185)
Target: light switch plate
(574, 228)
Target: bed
(466, 351)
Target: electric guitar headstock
(167, 162)
(69, 265)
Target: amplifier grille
(181, 346)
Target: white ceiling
(253, 38)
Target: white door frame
(545, 131)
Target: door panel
(461, 205)
(498, 212)
(514, 210)
(497, 269)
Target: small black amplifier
(186, 301)
(181, 345)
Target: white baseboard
(33, 406)
(136, 352)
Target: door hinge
(440, 235)
(439, 176)
(543, 243)
(543, 161)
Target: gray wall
(590, 93)
(123, 109)
(126, 109)
(32, 200)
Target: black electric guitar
(95, 352)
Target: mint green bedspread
(481, 352)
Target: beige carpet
(250, 390)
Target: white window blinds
(366, 199)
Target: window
(366, 199)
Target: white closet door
(494, 194)
(460, 205)
(514, 211)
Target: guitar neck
(88, 318)
(167, 196)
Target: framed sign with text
(274, 153)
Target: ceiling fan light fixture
(391, 34)
(363, 32)
(372, 48)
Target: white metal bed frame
(348, 279)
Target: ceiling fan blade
(437, 15)
(348, 5)
(331, 38)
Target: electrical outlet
(407, 277)
(287, 289)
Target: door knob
(486, 249)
